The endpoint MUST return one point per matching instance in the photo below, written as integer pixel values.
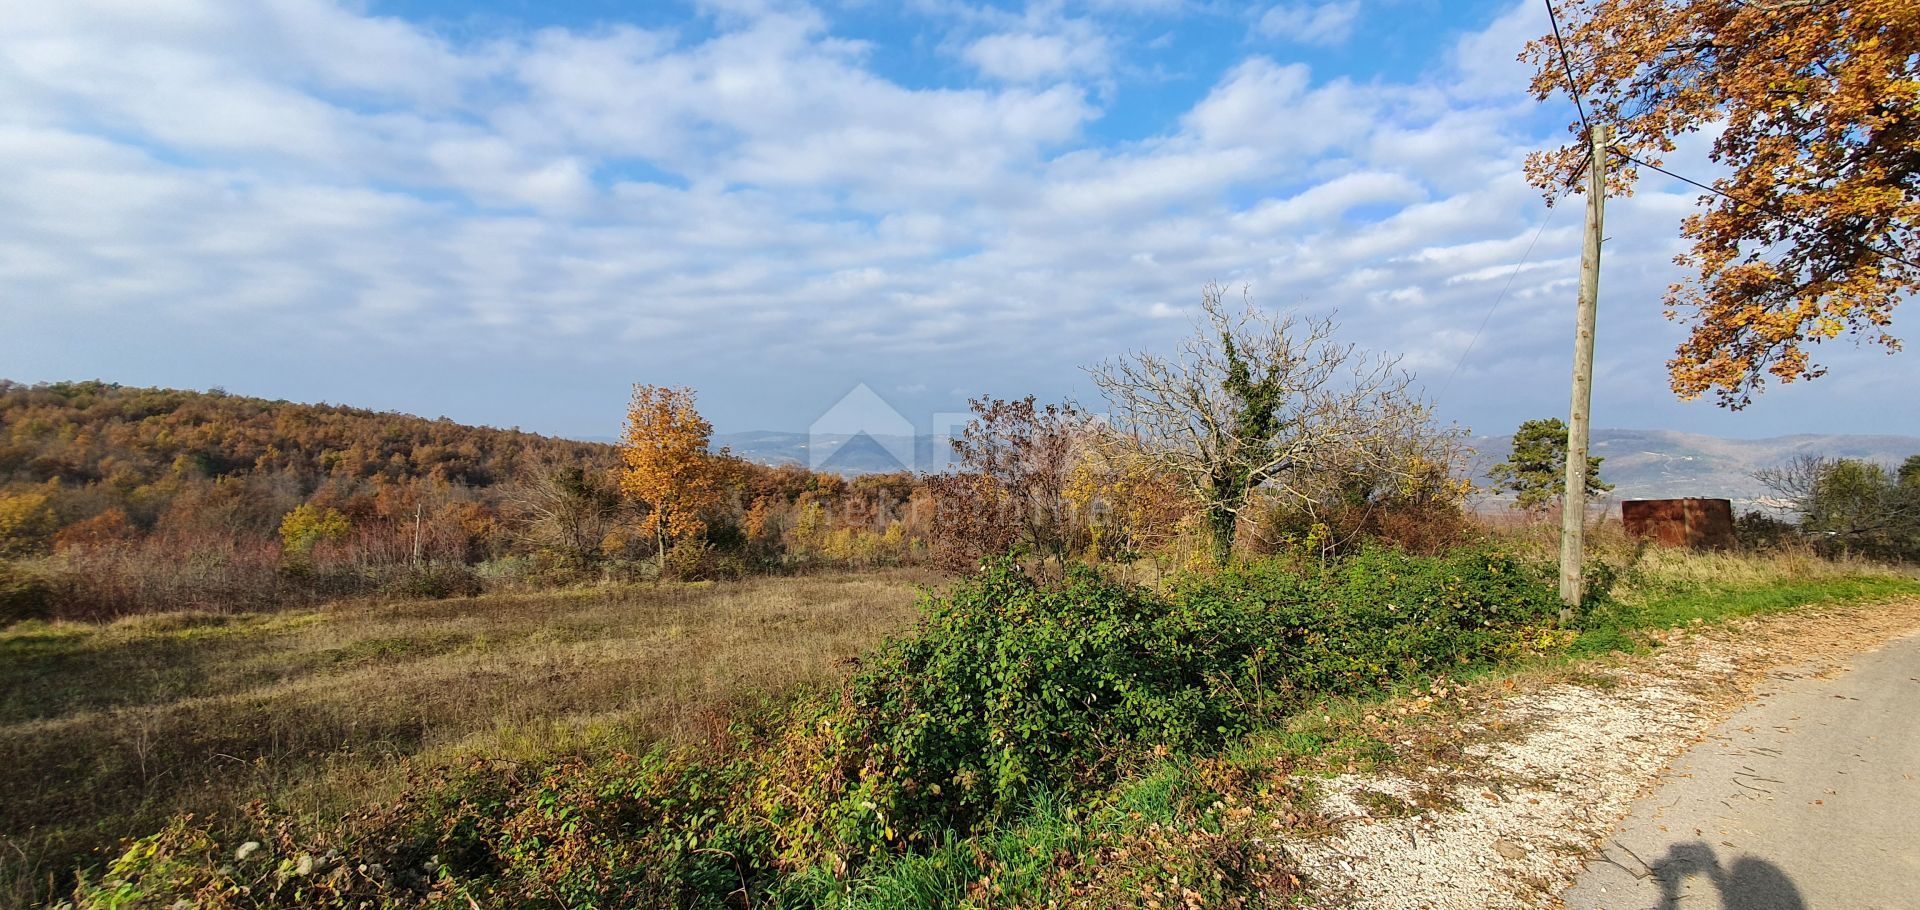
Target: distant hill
(848, 454)
(1642, 464)
(1663, 464)
(94, 432)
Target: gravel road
(1569, 778)
(1808, 798)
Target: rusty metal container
(1699, 524)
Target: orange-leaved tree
(667, 463)
(1815, 106)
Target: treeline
(1266, 436)
(118, 500)
(1842, 506)
(84, 464)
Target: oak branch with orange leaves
(667, 464)
(1815, 231)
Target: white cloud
(1326, 202)
(1486, 63)
(757, 210)
(1310, 23)
(1029, 57)
(1276, 108)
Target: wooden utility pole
(1573, 509)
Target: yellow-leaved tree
(668, 466)
(26, 523)
(1813, 109)
(307, 526)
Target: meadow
(365, 726)
(107, 730)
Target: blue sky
(506, 213)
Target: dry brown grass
(105, 730)
(1646, 568)
(1742, 569)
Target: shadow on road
(1750, 884)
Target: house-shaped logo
(861, 434)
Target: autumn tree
(1814, 105)
(27, 523)
(968, 523)
(306, 526)
(1131, 506)
(1255, 401)
(668, 466)
(1023, 453)
(1536, 469)
(108, 528)
(1407, 487)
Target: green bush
(1011, 684)
(1382, 616)
(1014, 686)
(657, 830)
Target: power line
(1566, 65)
(1573, 89)
(1496, 301)
(1770, 211)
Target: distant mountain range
(841, 453)
(1661, 464)
(1641, 464)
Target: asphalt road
(1808, 799)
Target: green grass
(1666, 589)
(1673, 608)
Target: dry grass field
(106, 730)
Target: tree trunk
(1221, 525)
(660, 549)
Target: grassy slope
(1174, 821)
(138, 713)
(107, 730)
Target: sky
(509, 212)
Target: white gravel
(1528, 808)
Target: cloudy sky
(508, 212)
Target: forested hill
(118, 500)
(80, 433)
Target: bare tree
(565, 508)
(1794, 481)
(1853, 502)
(1407, 487)
(1255, 401)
